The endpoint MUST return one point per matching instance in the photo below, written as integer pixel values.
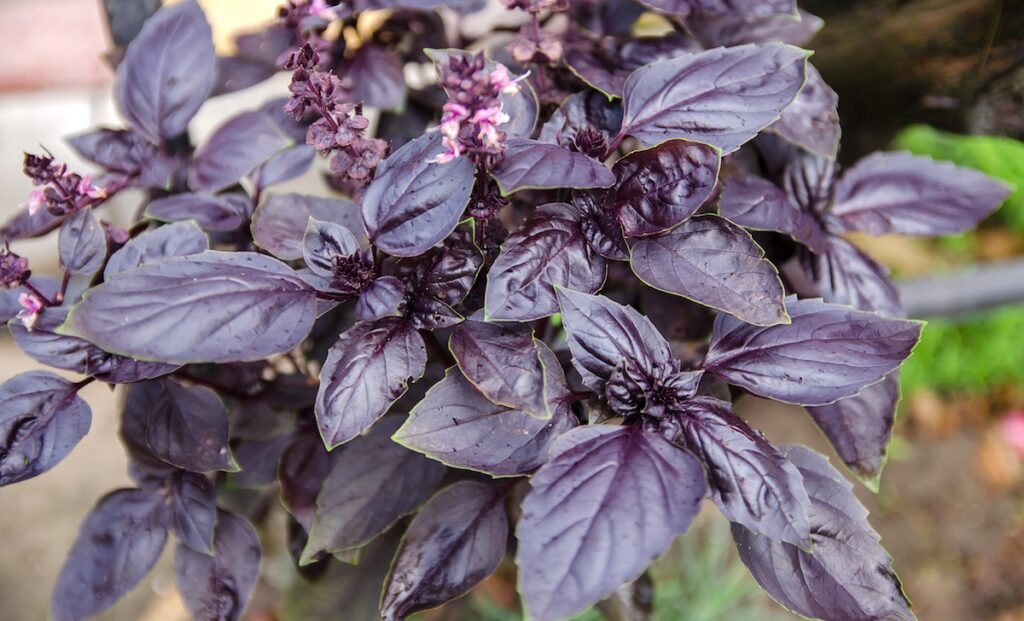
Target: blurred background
(943, 78)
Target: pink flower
(36, 199)
(31, 306)
(500, 78)
(454, 112)
(455, 149)
(320, 9)
(1012, 431)
(86, 187)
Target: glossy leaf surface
(848, 576)
(279, 223)
(41, 419)
(911, 195)
(373, 484)
(369, 367)
(549, 250)
(167, 72)
(83, 243)
(750, 480)
(721, 97)
(539, 165)
(413, 203)
(174, 240)
(759, 204)
(603, 334)
(712, 261)
(454, 542)
(608, 503)
(457, 425)
(827, 353)
(223, 212)
(211, 307)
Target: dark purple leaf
(236, 73)
(716, 263)
(439, 280)
(607, 67)
(550, 249)
(384, 297)
(829, 352)
(605, 506)
(46, 346)
(845, 275)
(664, 185)
(118, 543)
(366, 371)
(587, 109)
(730, 30)
(848, 576)
(167, 72)
(186, 426)
(238, 146)
(25, 225)
(279, 224)
(284, 165)
(173, 240)
(209, 307)
(601, 227)
(808, 178)
(458, 426)
(324, 244)
(602, 334)
(600, 70)
(501, 361)
(758, 204)
(454, 542)
(116, 150)
(721, 97)
(219, 586)
(83, 243)
(303, 467)
(529, 164)
(911, 195)
(371, 486)
(860, 427)
(413, 203)
(750, 480)
(812, 121)
(751, 8)
(194, 511)
(224, 212)
(41, 419)
(374, 75)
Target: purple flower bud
(13, 269)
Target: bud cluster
(339, 130)
(59, 191)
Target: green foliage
(974, 354)
(999, 157)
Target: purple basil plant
(541, 282)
